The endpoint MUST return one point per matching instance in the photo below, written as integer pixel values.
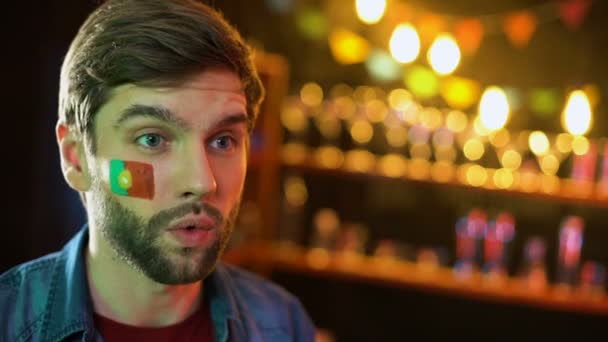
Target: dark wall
(40, 211)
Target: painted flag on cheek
(130, 178)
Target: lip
(193, 231)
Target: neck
(123, 294)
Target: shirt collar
(69, 308)
(225, 313)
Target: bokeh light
(444, 54)
(577, 117)
(370, 11)
(404, 44)
(494, 108)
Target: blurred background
(420, 168)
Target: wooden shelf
(400, 274)
(564, 190)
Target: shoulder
(269, 304)
(24, 290)
(258, 288)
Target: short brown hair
(148, 43)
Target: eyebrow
(166, 115)
(156, 112)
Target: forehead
(203, 98)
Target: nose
(196, 177)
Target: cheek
(230, 177)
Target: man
(156, 102)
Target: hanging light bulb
(370, 11)
(493, 108)
(405, 43)
(577, 117)
(444, 54)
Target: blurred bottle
(534, 271)
(293, 205)
(326, 228)
(469, 234)
(497, 240)
(603, 180)
(592, 280)
(570, 244)
(352, 239)
(583, 166)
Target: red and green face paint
(134, 179)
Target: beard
(140, 243)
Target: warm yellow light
(564, 142)
(418, 135)
(529, 181)
(442, 171)
(444, 54)
(473, 149)
(419, 168)
(294, 119)
(503, 178)
(329, 157)
(479, 128)
(549, 164)
(296, 192)
(422, 81)
(550, 184)
(443, 137)
(580, 145)
(400, 99)
(370, 11)
(539, 143)
(500, 138)
(445, 153)
(311, 94)
(359, 161)
(340, 90)
(345, 107)
(420, 151)
(459, 93)
(361, 131)
(376, 111)
(329, 126)
(431, 118)
(392, 165)
(348, 47)
(404, 43)
(363, 94)
(494, 108)
(294, 153)
(396, 136)
(456, 121)
(476, 175)
(511, 160)
(577, 114)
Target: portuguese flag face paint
(129, 178)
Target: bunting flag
(573, 12)
(519, 27)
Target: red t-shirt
(197, 327)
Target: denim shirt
(48, 299)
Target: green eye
(150, 140)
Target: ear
(73, 159)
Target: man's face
(194, 140)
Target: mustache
(165, 217)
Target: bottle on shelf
(497, 240)
(569, 250)
(534, 272)
(469, 234)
